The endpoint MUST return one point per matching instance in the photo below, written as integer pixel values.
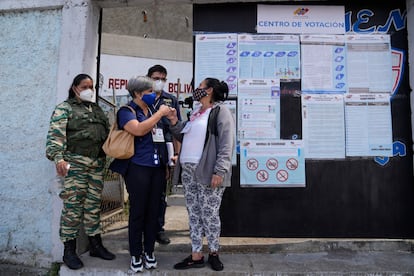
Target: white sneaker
(136, 264)
(150, 261)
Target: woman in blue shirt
(144, 171)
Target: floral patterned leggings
(203, 206)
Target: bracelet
(175, 153)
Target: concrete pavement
(258, 256)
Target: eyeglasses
(158, 78)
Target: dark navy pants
(145, 187)
(162, 210)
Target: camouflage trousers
(81, 195)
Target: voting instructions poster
(216, 57)
(323, 64)
(269, 56)
(258, 109)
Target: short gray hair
(139, 84)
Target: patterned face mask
(199, 93)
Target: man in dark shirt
(159, 74)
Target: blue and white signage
(292, 19)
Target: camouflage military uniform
(76, 134)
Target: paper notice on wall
(323, 63)
(272, 163)
(259, 109)
(269, 56)
(323, 126)
(216, 57)
(369, 63)
(368, 125)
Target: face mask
(149, 99)
(199, 93)
(86, 95)
(159, 85)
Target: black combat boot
(96, 249)
(69, 255)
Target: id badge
(157, 135)
(186, 128)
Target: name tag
(157, 135)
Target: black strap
(212, 123)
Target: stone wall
(168, 21)
(43, 45)
(29, 65)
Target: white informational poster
(259, 109)
(323, 125)
(369, 63)
(323, 63)
(216, 57)
(272, 163)
(368, 125)
(265, 160)
(303, 19)
(269, 56)
(115, 72)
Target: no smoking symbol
(262, 175)
(292, 164)
(282, 175)
(272, 164)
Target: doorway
(132, 40)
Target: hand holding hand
(166, 110)
(172, 116)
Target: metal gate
(112, 205)
(113, 194)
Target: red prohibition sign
(252, 164)
(292, 164)
(282, 175)
(272, 164)
(262, 175)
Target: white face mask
(86, 95)
(159, 85)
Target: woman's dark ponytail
(225, 90)
(220, 89)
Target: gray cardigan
(218, 147)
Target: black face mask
(199, 93)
